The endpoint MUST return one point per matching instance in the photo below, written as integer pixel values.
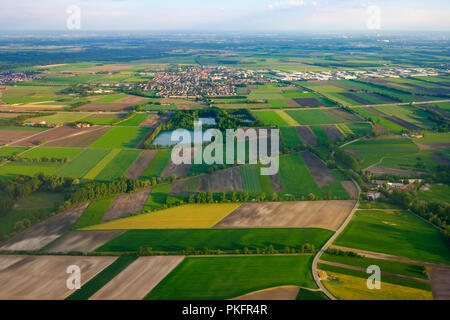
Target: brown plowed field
(180, 170)
(83, 241)
(291, 103)
(297, 214)
(307, 136)
(105, 107)
(43, 233)
(403, 123)
(127, 204)
(433, 145)
(318, 169)
(332, 132)
(397, 172)
(131, 100)
(441, 159)
(277, 293)
(350, 188)
(52, 134)
(8, 136)
(136, 281)
(44, 277)
(221, 181)
(440, 283)
(82, 140)
(142, 162)
(276, 183)
(151, 121)
(308, 102)
(342, 116)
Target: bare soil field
(44, 277)
(131, 100)
(276, 183)
(433, 145)
(8, 136)
(136, 281)
(350, 188)
(82, 241)
(277, 293)
(221, 181)
(403, 123)
(43, 233)
(376, 112)
(82, 140)
(52, 134)
(291, 103)
(332, 132)
(354, 97)
(441, 159)
(296, 214)
(440, 283)
(318, 169)
(307, 102)
(397, 172)
(106, 115)
(142, 162)
(9, 115)
(105, 107)
(307, 136)
(180, 170)
(380, 130)
(127, 204)
(151, 121)
(30, 107)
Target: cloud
(288, 4)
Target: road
(328, 244)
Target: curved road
(328, 244)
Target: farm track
(329, 243)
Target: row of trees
(306, 248)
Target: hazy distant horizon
(227, 16)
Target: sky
(225, 15)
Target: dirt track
(82, 241)
(136, 281)
(46, 231)
(44, 277)
(295, 214)
(127, 204)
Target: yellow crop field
(290, 121)
(347, 287)
(190, 216)
(102, 164)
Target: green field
(228, 277)
(121, 137)
(63, 118)
(102, 164)
(83, 163)
(437, 193)
(12, 169)
(397, 233)
(106, 275)
(159, 162)
(111, 98)
(213, 239)
(271, 118)
(134, 121)
(119, 165)
(94, 213)
(290, 137)
(157, 197)
(395, 267)
(311, 117)
(27, 206)
(11, 151)
(49, 153)
(250, 178)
